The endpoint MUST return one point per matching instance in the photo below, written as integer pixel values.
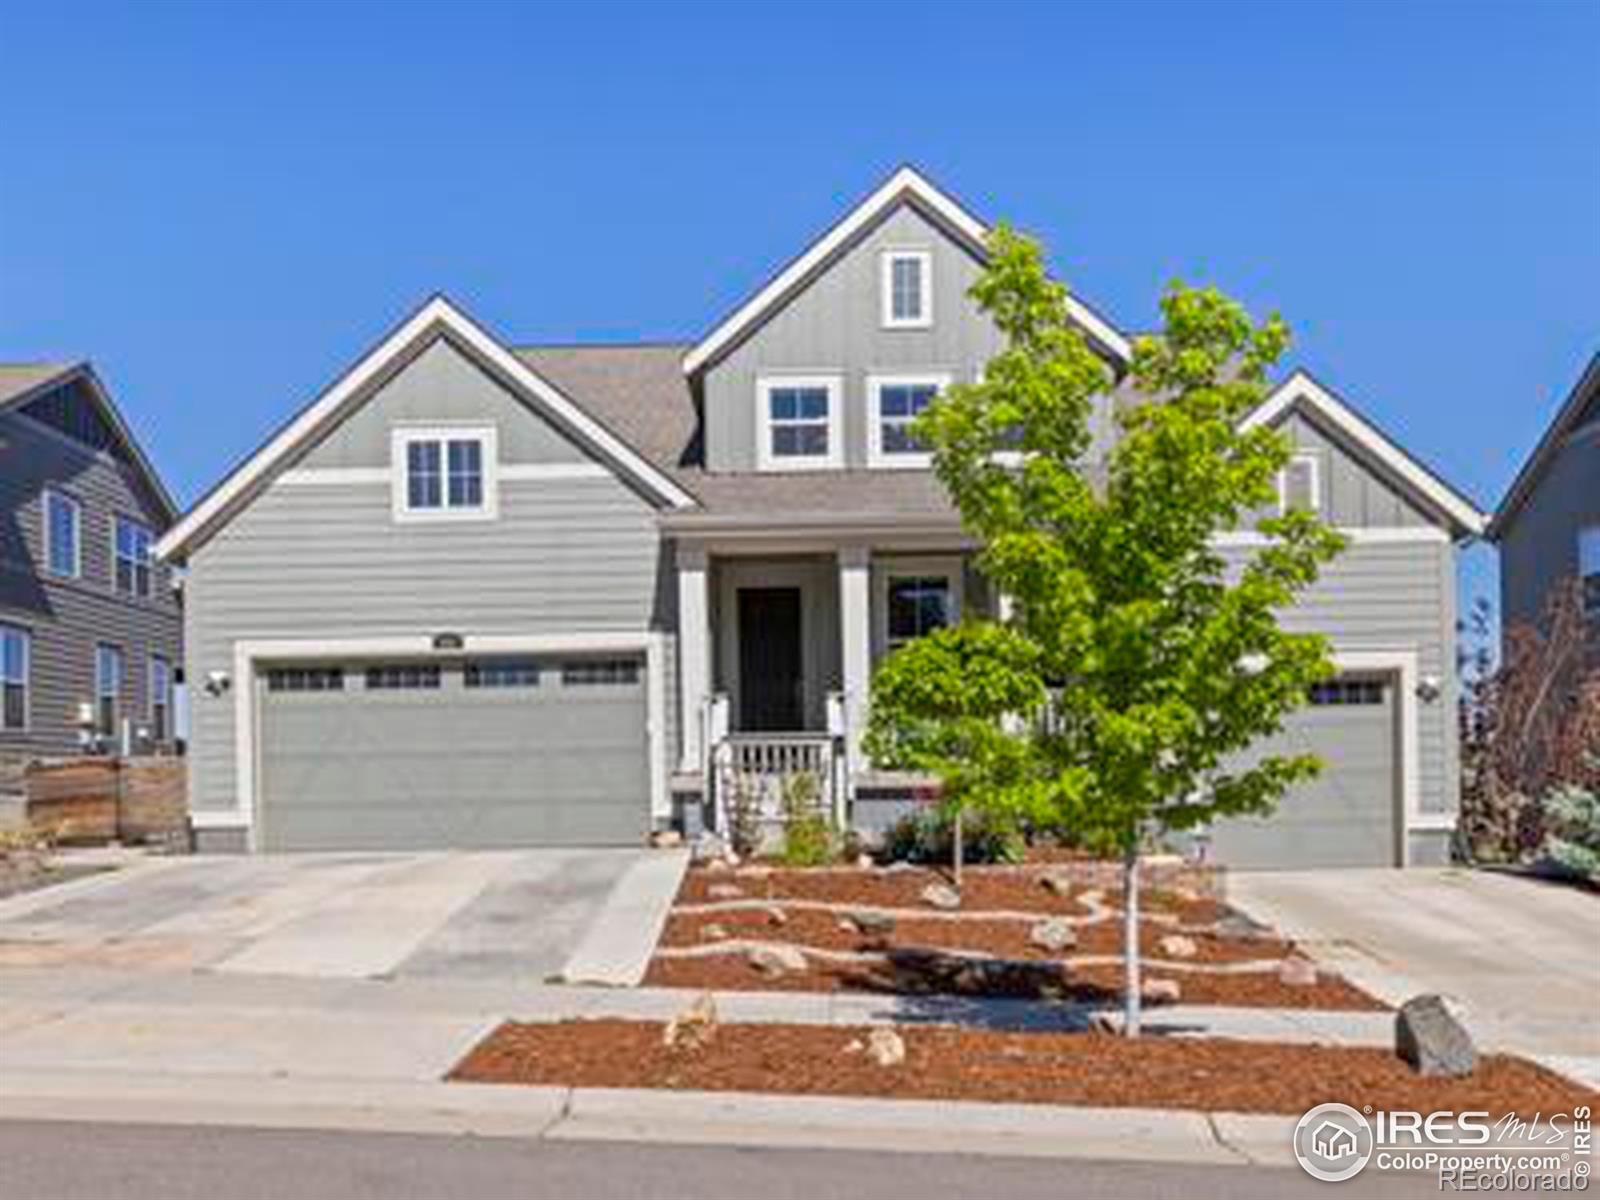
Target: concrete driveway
(1522, 956)
(515, 916)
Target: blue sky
(223, 204)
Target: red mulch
(949, 1063)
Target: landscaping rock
(1431, 1040)
(1297, 972)
(864, 862)
(709, 849)
(1105, 1022)
(872, 923)
(773, 961)
(886, 1047)
(755, 871)
(714, 933)
(898, 867)
(1057, 881)
(1240, 927)
(941, 896)
(776, 916)
(1176, 945)
(854, 1046)
(725, 891)
(846, 925)
(695, 1026)
(1054, 935)
(666, 839)
(1160, 991)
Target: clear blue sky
(222, 204)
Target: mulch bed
(949, 1063)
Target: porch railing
(756, 777)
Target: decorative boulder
(695, 1026)
(773, 961)
(776, 916)
(1297, 972)
(714, 933)
(666, 839)
(1054, 935)
(1429, 1038)
(1177, 945)
(886, 1047)
(724, 891)
(1160, 991)
(874, 924)
(1057, 881)
(941, 896)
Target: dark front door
(769, 660)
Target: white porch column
(855, 633)
(694, 654)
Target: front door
(770, 685)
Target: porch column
(694, 654)
(855, 633)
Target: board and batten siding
(67, 618)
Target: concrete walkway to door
(1521, 955)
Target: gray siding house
(90, 631)
(477, 594)
(1548, 525)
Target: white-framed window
(1589, 568)
(907, 286)
(130, 553)
(160, 701)
(107, 689)
(797, 422)
(63, 534)
(445, 473)
(893, 403)
(14, 668)
(915, 597)
(1300, 483)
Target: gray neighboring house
(481, 595)
(1548, 525)
(90, 629)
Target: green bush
(809, 838)
(928, 836)
(1572, 840)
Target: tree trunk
(1130, 941)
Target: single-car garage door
(1349, 815)
(481, 753)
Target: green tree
(1136, 664)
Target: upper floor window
(107, 689)
(907, 289)
(1589, 568)
(798, 423)
(63, 530)
(895, 402)
(1300, 484)
(132, 554)
(13, 677)
(444, 472)
(160, 699)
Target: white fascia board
(439, 313)
(1301, 387)
(905, 181)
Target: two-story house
(483, 595)
(1548, 525)
(90, 631)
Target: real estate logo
(1333, 1142)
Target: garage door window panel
(394, 677)
(600, 672)
(503, 673)
(305, 679)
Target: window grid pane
(505, 673)
(423, 488)
(402, 676)
(898, 405)
(798, 417)
(465, 460)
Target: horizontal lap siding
(329, 561)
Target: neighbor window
(503, 673)
(1299, 484)
(132, 558)
(907, 289)
(918, 604)
(896, 401)
(798, 423)
(444, 472)
(63, 521)
(107, 689)
(402, 676)
(160, 699)
(13, 677)
(1589, 568)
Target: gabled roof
(1567, 419)
(23, 383)
(905, 184)
(1302, 389)
(435, 318)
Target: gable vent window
(907, 289)
(593, 672)
(503, 673)
(63, 525)
(1589, 568)
(402, 677)
(132, 558)
(305, 679)
(444, 473)
(1300, 485)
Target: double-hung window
(132, 557)
(444, 473)
(63, 532)
(798, 423)
(160, 699)
(13, 678)
(895, 401)
(907, 289)
(107, 689)
(1589, 569)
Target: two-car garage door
(477, 753)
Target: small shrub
(1572, 843)
(744, 814)
(928, 836)
(809, 838)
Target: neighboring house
(484, 595)
(90, 631)
(1548, 525)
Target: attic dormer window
(907, 289)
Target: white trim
(887, 569)
(365, 476)
(1378, 536)
(1312, 459)
(876, 455)
(923, 257)
(437, 314)
(834, 458)
(55, 493)
(248, 653)
(542, 472)
(855, 648)
(486, 435)
(905, 182)
(694, 653)
(1301, 387)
